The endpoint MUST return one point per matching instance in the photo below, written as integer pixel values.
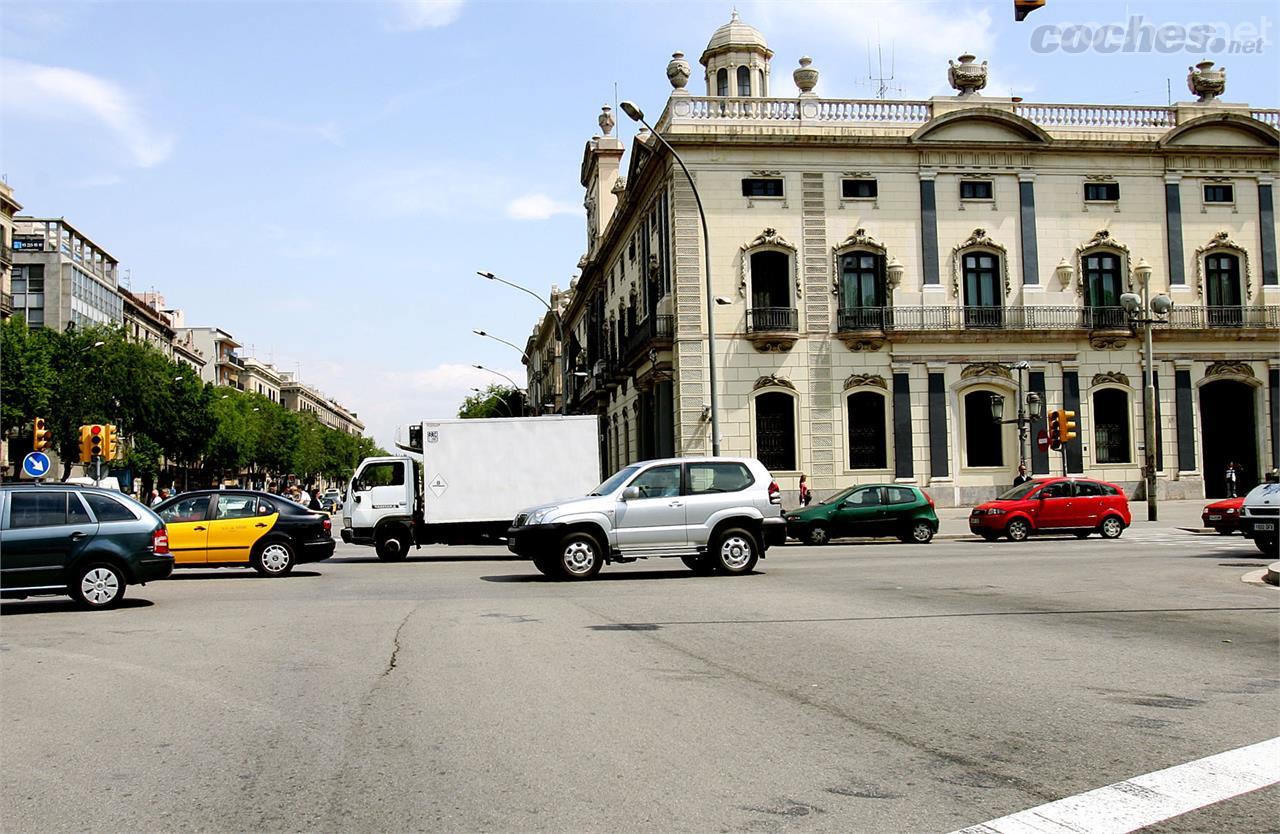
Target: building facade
(222, 365)
(8, 208)
(302, 398)
(880, 269)
(146, 325)
(260, 378)
(62, 277)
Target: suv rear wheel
(579, 556)
(98, 585)
(735, 552)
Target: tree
(494, 401)
(26, 374)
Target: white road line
(1146, 800)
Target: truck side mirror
(631, 493)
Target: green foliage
(494, 401)
(26, 377)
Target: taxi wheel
(274, 558)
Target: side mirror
(631, 493)
(357, 499)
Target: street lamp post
(522, 353)
(555, 317)
(519, 390)
(637, 115)
(1030, 410)
(1135, 305)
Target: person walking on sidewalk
(1022, 477)
(805, 495)
(1231, 479)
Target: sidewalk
(954, 521)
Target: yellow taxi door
(188, 526)
(235, 527)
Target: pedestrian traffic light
(1055, 440)
(91, 438)
(109, 448)
(41, 437)
(1022, 8)
(1066, 426)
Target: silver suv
(716, 514)
(1260, 517)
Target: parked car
(235, 527)
(1260, 517)
(715, 514)
(870, 510)
(331, 500)
(1223, 516)
(1077, 505)
(86, 542)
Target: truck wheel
(735, 552)
(393, 545)
(701, 565)
(579, 556)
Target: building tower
(737, 61)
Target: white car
(1260, 517)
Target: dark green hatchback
(871, 510)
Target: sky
(324, 179)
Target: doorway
(1228, 434)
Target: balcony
(773, 329)
(6, 304)
(232, 360)
(653, 333)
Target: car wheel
(98, 585)
(817, 535)
(701, 565)
(1111, 527)
(393, 546)
(735, 552)
(921, 532)
(275, 558)
(1082, 534)
(1267, 546)
(579, 556)
(1018, 530)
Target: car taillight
(328, 524)
(775, 493)
(927, 497)
(160, 542)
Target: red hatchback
(1224, 515)
(1076, 505)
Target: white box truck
(474, 476)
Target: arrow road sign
(35, 465)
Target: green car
(875, 510)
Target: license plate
(1215, 518)
(1264, 525)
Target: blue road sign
(35, 465)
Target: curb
(1272, 574)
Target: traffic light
(41, 437)
(1066, 426)
(91, 439)
(109, 448)
(1022, 8)
(1055, 440)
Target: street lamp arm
(504, 341)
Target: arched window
(1111, 426)
(1222, 289)
(983, 436)
(776, 431)
(867, 437)
(1102, 288)
(760, 83)
(983, 296)
(862, 290)
(744, 81)
(722, 82)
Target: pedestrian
(805, 495)
(154, 499)
(1231, 479)
(315, 501)
(161, 498)
(1022, 477)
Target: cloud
(46, 92)
(415, 15)
(456, 188)
(538, 207)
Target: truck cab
(383, 505)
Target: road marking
(1146, 800)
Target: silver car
(716, 514)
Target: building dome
(735, 35)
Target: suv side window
(76, 513)
(45, 508)
(706, 478)
(108, 509)
(658, 482)
(900, 495)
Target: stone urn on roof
(1206, 82)
(966, 76)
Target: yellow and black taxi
(220, 528)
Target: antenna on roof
(881, 81)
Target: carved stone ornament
(967, 77)
(979, 240)
(1102, 240)
(986, 369)
(768, 238)
(773, 342)
(806, 77)
(606, 120)
(858, 240)
(1107, 343)
(1222, 242)
(655, 267)
(773, 381)
(859, 380)
(860, 344)
(1206, 82)
(678, 72)
(1230, 369)
(1111, 378)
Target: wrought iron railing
(654, 328)
(773, 320)
(1198, 318)
(926, 318)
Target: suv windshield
(1019, 491)
(619, 478)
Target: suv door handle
(676, 504)
(78, 535)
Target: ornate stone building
(879, 268)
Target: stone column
(815, 259)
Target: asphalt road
(877, 687)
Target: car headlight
(539, 516)
(995, 511)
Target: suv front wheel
(735, 552)
(579, 556)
